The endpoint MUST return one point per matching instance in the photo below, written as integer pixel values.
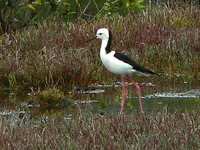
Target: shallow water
(158, 94)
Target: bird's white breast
(115, 65)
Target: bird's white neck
(104, 44)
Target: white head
(102, 33)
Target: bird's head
(102, 33)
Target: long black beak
(89, 40)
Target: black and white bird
(119, 64)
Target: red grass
(161, 39)
(162, 130)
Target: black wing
(135, 65)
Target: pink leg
(124, 94)
(139, 93)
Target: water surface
(158, 94)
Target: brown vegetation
(162, 39)
(157, 131)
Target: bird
(120, 64)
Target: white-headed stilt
(119, 64)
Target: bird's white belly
(116, 66)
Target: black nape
(108, 49)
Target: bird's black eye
(100, 33)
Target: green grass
(154, 131)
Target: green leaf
(35, 5)
(31, 6)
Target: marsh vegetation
(55, 93)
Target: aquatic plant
(50, 97)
